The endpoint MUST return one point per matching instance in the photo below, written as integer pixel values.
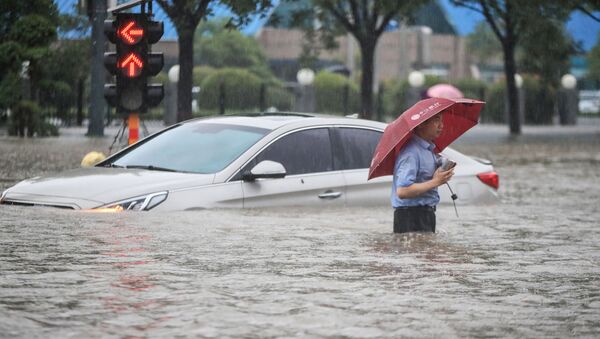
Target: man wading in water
(416, 179)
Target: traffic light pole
(133, 63)
(97, 106)
(133, 122)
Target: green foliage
(59, 95)
(26, 30)
(26, 120)
(516, 22)
(593, 58)
(540, 100)
(431, 80)
(186, 15)
(241, 89)
(201, 73)
(394, 102)
(10, 90)
(12, 11)
(330, 96)
(483, 44)
(365, 20)
(545, 50)
(395, 98)
(494, 110)
(33, 31)
(279, 97)
(10, 55)
(161, 78)
(59, 89)
(218, 47)
(471, 88)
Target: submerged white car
(265, 160)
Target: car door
(310, 176)
(355, 147)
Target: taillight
(490, 178)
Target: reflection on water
(527, 267)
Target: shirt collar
(423, 143)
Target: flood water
(525, 267)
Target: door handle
(330, 195)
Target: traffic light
(132, 63)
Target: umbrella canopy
(444, 91)
(458, 116)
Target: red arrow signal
(131, 65)
(131, 33)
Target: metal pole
(380, 110)
(262, 97)
(221, 98)
(80, 102)
(97, 103)
(345, 98)
(134, 128)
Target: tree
(483, 44)
(508, 19)
(218, 47)
(27, 28)
(536, 55)
(60, 89)
(186, 15)
(594, 61)
(366, 20)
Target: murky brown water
(526, 267)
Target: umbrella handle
(454, 197)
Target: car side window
(307, 151)
(358, 146)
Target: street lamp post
(305, 96)
(521, 94)
(170, 116)
(416, 80)
(568, 100)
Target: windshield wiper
(152, 168)
(113, 165)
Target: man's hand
(441, 177)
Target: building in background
(429, 44)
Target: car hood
(95, 186)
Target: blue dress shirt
(415, 163)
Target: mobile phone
(447, 164)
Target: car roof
(277, 120)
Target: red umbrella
(459, 115)
(444, 91)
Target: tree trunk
(512, 92)
(186, 65)
(367, 49)
(80, 102)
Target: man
(416, 178)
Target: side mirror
(266, 169)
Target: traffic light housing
(133, 63)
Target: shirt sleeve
(405, 170)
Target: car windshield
(196, 147)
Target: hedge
(539, 99)
(330, 96)
(241, 91)
(26, 120)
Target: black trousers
(414, 219)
